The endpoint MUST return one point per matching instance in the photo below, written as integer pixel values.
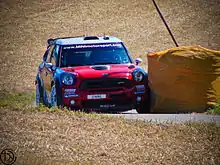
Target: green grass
(214, 110)
(26, 102)
(16, 100)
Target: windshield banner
(118, 45)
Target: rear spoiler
(50, 41)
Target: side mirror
(50, 41)
(138, 61)
(50, 66)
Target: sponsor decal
(70, 93)
(140, 89)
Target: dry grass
(26, 25)
(40, 135)
(68, 138)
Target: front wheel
(38, 95)
(145, 106)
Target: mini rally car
(91, 72)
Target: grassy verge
(26, 101)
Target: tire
(46, 100)
(53, 97)
(38, 95)
(144, 107)
(41, 95)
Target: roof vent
(91, 38)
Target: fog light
(72, 102)
(138, 98)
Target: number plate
(107, 106)
(96, 96)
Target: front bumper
(114, 99)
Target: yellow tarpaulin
(184, 79)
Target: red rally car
(91, 72)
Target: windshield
(94, 54)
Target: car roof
(86, 40)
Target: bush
(215, 110)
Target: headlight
(68, 79)
(138, 76)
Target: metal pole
(161, 16)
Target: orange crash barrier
(184, 79)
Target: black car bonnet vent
(101, 67)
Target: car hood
(98, 71)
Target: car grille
(102, 83)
